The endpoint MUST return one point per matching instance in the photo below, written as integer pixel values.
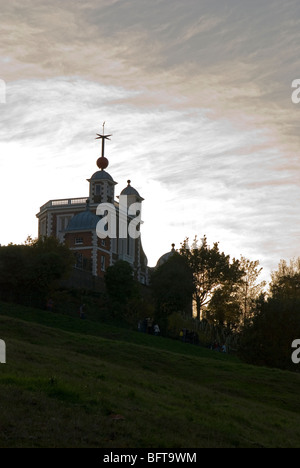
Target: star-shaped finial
(102, 136)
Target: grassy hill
(75, 383)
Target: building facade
(74, 221)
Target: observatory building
(74, 221)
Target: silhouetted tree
(48, 261)
(30, 271)
(224, 307)
(120, 285)
(13, 272)
(234, 301)
(172, 288)
(172, 284)
(211, 269)
(249, 289)
(267, 338)
(285, 282)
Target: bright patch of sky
(197, 95)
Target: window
(83, 263)
(78, 260)
(78, 240)
(103, 242)
(43, 228)
(63, 222)
(61, 225)
(97, 193)
(102, 263)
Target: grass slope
(72, 383)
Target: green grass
(66, 380)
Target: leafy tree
(172, 288)
(48, 261)
(172, 284)
(249, 289)
(30, 271)
(224, 308)
(266, 339)
(13, 271)
(234, 301)
(211, 269)
(120, 285)
(285, 282)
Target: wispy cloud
(197, 95)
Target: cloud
(197, 95)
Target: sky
(197, 97)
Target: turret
(102, 185)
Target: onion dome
(86, 220)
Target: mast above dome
(102, 162)
(101, 183)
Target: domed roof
(166, 256)
(83, 221)
(130, 190)
(102, 175)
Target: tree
(13, 272)
(211, 269)
(224, 308)
(120, 285)
(249, 290)
(234, 302)
(266, 339)
(285, 282)
(48, 261)
(28, 272)
(172, 284)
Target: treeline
(274, 324)
(221, 299)
(221, 290)
(198, 288)
(230, 303)
(31, 271)
(34, 274)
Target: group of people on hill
(81, 310)
(147, 326)
(216, 346)
(188, 336)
